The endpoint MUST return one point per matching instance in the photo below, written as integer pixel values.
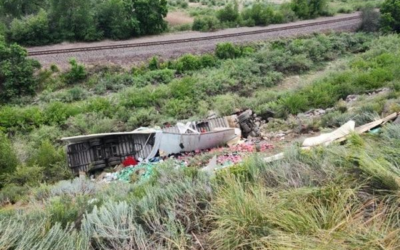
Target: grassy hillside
(340, 197)
(337, 197)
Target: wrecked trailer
(199, 135)
(98, 151)
(174, 143)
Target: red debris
(130, 161)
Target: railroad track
(176, 41)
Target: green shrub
(179, 108)
(143, 117)
(62, 210)
(188, 62)
(16, 72)
(370, 19)
(57, 112)
(260, 14)
(306, 9)
(76, 74)
(205, 23)
(12, 193)
(294, 104)
(230, 13)
(25, 175)
(208, 61)
(390, 21)
(154, 63)
(225, 104)
(31, 30)
(227, 51)
(8, 157)
(184, 88)
(155, 77)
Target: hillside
(339, 195)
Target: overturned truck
(98, 151)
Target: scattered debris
(328, 138)
(341, 134)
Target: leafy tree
(18, 8)
(150, 14)
(309, 8)
(390, 20)
(16, 71)
(31, 30)
(73, 20)
(228, 14)
(116, 19)
(370, 19)
(261, 14)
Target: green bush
(63, 210)
(390, 19)
(143, 117)
(12, 193)
(76, 74)
(184, 88)
(227, 51)
(58, 112)
(229, 14)
(16, 72)
(225, 104)
(205, 23)
(30, 175)
(154, 63)
(31, 30)
(208, 61)
(188, 62)
(8, 157)
(306, 9)
(370, 19)
(259, 14)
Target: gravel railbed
(130, 56)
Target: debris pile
(223, 157)
(249, 124)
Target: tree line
(38, 22)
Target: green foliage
(390, 19)
(305, 9)
(370, 19)
(259, 14)
(8, 157)
(52, 160)
(16, 72)
(230, 13)
(62, 210)
(227, 51)
(154, 63)
(25, 176)
(31, 30)
(76, 74)
(12, 194)
(188, 62)
(205, 23)
(82, 20)
(116, 20)
(58, 112)
(225, 104)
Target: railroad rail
(195, 39)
